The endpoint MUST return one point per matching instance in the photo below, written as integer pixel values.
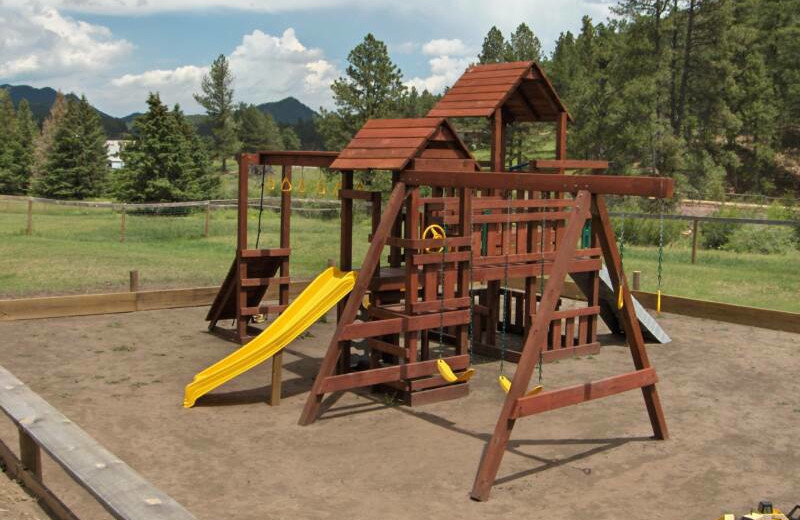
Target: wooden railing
(124, 493)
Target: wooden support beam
(350, 310)
(576, 394)
(601, 226)
(568, 164)
(393, 373)
(383, 327)
(659, 187)
(296, 158)
(534, 343)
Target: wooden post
(277, 379)
(208, 218)
(350, 310)
(637, 275)
(345, 256)
(29, 227)
(535, 340)
(122, 223)
(241, 243)
(694, 239)
(134, 281)
(29, 454)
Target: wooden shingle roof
(390, 144)
(520, 87)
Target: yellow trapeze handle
(322, 188)
(658, 301)
(505, 384)
(271, 185)
(620, 300)
(448, 375)
(286, 185)
(438, 232)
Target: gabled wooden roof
(520, 87)
(391, 144)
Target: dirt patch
(15, 504)
(729, 394)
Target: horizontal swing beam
(659, 187)
(388, 374)
(403, 324)
(571, 395)
(296, 158)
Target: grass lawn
(78, 250)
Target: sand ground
(730, 394)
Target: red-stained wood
(367, 164)
(420, 122)
(394, 132)
(533, 344)
(601, 225)
(387, 142)
(382, 153)
(568, 164)
(405, 324)
(392, 373)
(659, 187)
(571, 395)
(295, 158)
(368, 268)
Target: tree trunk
(687, 56)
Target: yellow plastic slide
(328, 288)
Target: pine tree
(289, 138)
(44, 142)
(77, 165)
(372, 88)
(524, 45)
(494, 49)
(257, 130)
(28, 132)
(217, 99)
(12, 176)
(166, 161)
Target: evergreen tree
(289, 138)
(372, 87)
(44, 142)
(417, 104)
(494, 49)
(257, 130)
(77, 165)
(524, 45)
(217, 99)
(166, 161)
(28, 133)
(12, 176)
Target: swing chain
(261, 202)
(506, 292)
(660, 247)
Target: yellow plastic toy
(286, 185)
(434, 231)
(505, 384)
(620, 301)
(448, 375)
(319, 297)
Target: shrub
(763, 239)
(716, 234)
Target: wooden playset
(474, 257)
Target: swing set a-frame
(457, 236)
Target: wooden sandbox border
(91, 304)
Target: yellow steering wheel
(434, 231)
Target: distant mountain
(288, 111)
(41, 99)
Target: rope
(260, 205)
(660, 258)
(506, 302)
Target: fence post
(694, 239)
(208, 217)
(134, 280)
(637, 278)
(29, 227)
(122, 224)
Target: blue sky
(115, 51)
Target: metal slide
(317, 299)
(651, 330)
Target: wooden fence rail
(124, 493)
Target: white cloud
(264, 67)
(37, 42)
(451, 58)
(444, 47)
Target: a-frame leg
(601, 225)
(534, 341)
(350, 310)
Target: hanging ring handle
(286, 185)
(434, 231)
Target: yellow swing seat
(448, 375)
(505, 384)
